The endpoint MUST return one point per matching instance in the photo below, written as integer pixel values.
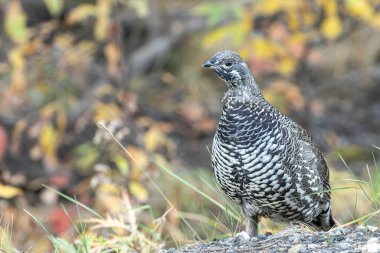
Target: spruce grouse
(264, 161)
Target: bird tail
(324, 220)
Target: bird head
(229, 67)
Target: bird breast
(247, 153)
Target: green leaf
(54, 6)
(216, 12)
(87, 155)
(122, 164)
(15, 22)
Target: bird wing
(311, 160)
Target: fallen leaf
(8, 192)
(17, 60)
(360, 8)
(122, 164)
(80, 13)
(108, 198)
(48, 142)
(103, 11)
(15, 22)
(138, 191)
(59, 222)
(54, 6)
(113, 55)
(287, 66)
(331, 27)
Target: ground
(296, 240)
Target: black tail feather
(324, 220)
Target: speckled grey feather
(264, 161)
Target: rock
(344, 245)
(372, 228)
(372, 246)
(296, 241)
(336, 231)
(312, 246)
(243, 236)
(373, 240)
(299, 248)
(368, 228)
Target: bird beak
(207, 64)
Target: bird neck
(243, 90)
(247, 92)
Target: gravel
(295, 240)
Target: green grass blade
(192, 187)
(73, 200)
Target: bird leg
(251, 227)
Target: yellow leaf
(54, 6)
(213, 37)
(17, 60)
(15, 22)
(246, 22)
(108, 198)
(7, 191)
(154, 138)
(138, 191)
(308, 16)
(331, 27)
(109, 188)
(113, 55)
(330, 7)
(296, 45)
(80, 13)
(235, 31)
(287, 66)
(103, 11)
(245, 51)
(267, 7)
(376, 21)
(106, 112)
(270, 7)
(48, 142)
(360, 8)
(293, 20)
(140, 161)
(263, 48)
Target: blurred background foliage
(77, 77)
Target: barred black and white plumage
(264, 161)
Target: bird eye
(228, 64)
